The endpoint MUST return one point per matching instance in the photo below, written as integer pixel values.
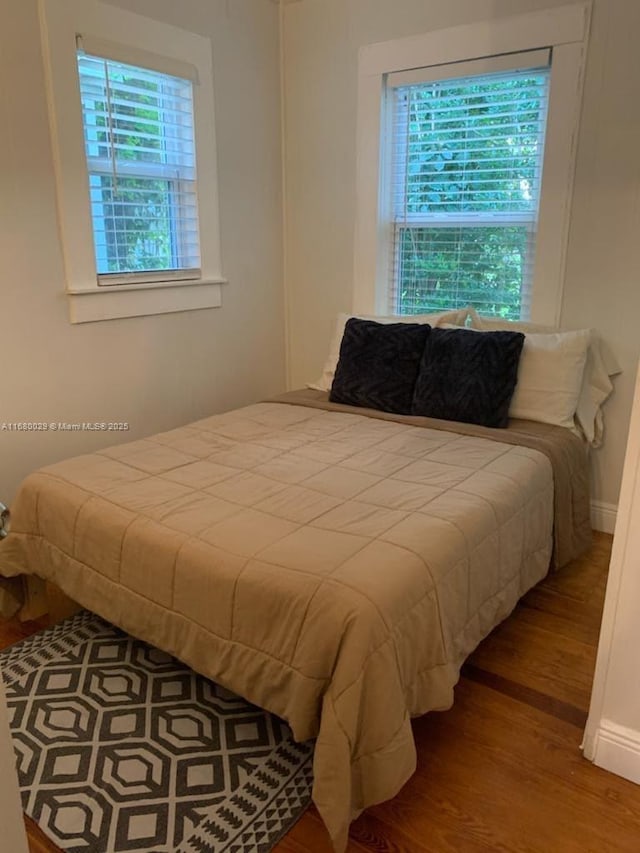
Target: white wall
(612, 738)
(154, 372)
(322, 38)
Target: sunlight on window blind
(466, 174)
(140, 148)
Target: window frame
(144, 42)
(563, 30)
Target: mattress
(332, 566)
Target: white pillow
(458, 318)
(596, 385)
(550, 377)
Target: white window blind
(465, 177)
(140, 149)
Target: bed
(334, 565)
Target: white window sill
(91, 305)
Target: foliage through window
(140, 149)
(465, 185)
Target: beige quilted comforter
(332, 567)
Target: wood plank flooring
(502, 770)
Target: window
(465, 188)
(465, 156)
(131, 103)
(140, 149)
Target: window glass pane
(466, 175)
(474, 146)
(133, 224)
(140, 148)
(441, 268)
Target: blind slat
(175, 112)
(471, 102)
(141, 169)
(140, 132)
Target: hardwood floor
(502, 770)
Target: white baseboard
(617, 749)
(603, 516)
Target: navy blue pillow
(468, 376)
(379, 364)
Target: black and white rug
(122, 748)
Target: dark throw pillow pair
(410, 368)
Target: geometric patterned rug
(120, 747)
